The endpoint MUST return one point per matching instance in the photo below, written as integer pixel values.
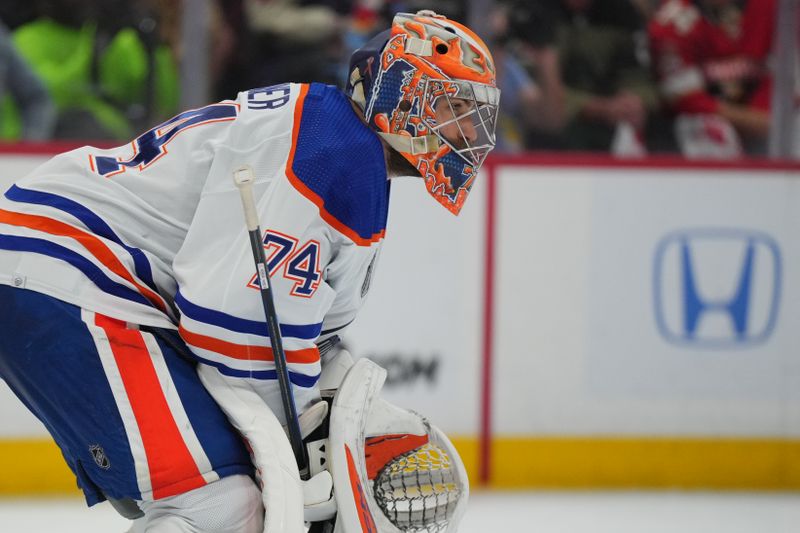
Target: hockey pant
(129, 414)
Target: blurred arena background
(617, 306)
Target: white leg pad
(229, 505)
(282, 491)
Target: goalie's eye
(449, 109)
(461, 106)
(453, 122)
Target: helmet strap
(405, 144)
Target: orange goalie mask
(427, 86)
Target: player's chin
(397, 165)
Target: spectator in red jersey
(710, 58)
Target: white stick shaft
(243, 177)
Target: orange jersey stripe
(171, 465)
(246, 352)
(90, 242)
(311, 195)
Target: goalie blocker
(393, 471)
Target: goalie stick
(243, 178)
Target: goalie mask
(392, 470)
(427, 86)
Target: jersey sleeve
(309, 212)
(351, 277)
(342, 170)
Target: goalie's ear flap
(392, 470)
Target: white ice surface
(495, 512)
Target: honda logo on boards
(716, 288)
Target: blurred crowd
(626, 77)
(633, 77)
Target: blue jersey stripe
(301, 380)
(91, 220)
(242, 325)
(92, 271)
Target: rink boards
(585, 322)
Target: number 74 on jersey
(295, 262)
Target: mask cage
(463, 115)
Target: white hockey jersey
(153, 232)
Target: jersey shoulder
(338, 163)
